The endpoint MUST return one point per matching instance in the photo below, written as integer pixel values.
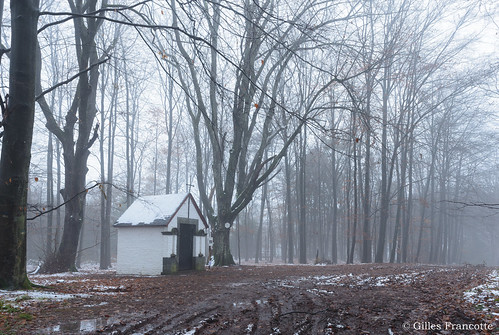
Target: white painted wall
(199, 245)
(141, 250)
(171, 245)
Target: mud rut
(335, 300)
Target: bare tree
(80, 118)
(258, 70)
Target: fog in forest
(317, 132)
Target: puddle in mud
(82, 326)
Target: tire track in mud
(335, 300)
(308, 308)
(302, 307)
(279, 310)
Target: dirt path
(344, 299)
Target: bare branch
(67, 81)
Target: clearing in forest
(285, 299)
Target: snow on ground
(69, 277)
(22, 298)
(486, 296)
(351, 280)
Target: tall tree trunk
(289, 211)
(408, 216)
(283, 234)
(385, 190)
(334, 231)
(58, 197)
(74, 195)
(348, 204)
(424, 203)
(106, 181)
(169, 124)
(431, 255)
(259, 234)
(104, 237)
(355, 203)
(400, 207)
(366, 199)
(110, 175)
(129, 145)
(80, 247)
(155, 162)
(50, 196)
(238, 224)
(303, 202)
(366, 232)
(270, 231)
(17, 122)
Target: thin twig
(64, 203)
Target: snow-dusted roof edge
(189, 195)
(152, 224)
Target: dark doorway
(185, 246)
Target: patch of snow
(93, 267)
(88, 325)
(486, 295)
(101, 304)
(47, 280)
(23, 298)
(317, 291)
(66, 277)
(103, 288)
(333, 325)
(350, 280)
(56, 328)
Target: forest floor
(285, 299)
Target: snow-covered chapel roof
(155, 210)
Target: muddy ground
(342, 299)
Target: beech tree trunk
(221, 249)
(18, 122)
